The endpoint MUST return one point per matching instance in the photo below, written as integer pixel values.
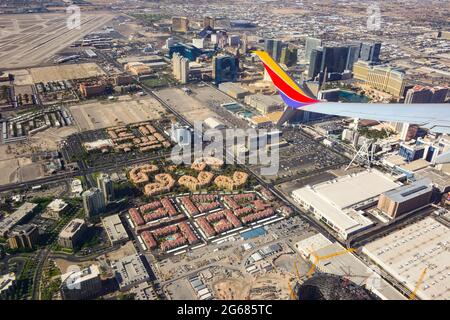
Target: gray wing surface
(435, 117)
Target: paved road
(67, 175)
(76, 259)
(41, 258)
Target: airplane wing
(435, 117)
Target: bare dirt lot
(19, 169)
(181, 290)
(270, 286)
(103, 114)
(49, 139)
(66, 72)
(125, 250)
(16, 158)
(31, 39)
(22, 77)
(191, 108)
(64, 265)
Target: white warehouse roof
(349, 190)
(333, 201)
(344, 221)
(407, 252)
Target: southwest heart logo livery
(291, 93)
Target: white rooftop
(57, 205)
(98, 144)
(213, 123)
(348, 221)
(74, 278)
(7, 281)
(311, 244)
(407, 252)
(130, 270)
(114, 228)
(14, 218)
(72, 228)
(349, 190)
(76, 186)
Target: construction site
(260, 263)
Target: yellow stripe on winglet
(267, 59)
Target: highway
(83, 172)
(41, 259)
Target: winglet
(291, 93)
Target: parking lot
(303, 157)
(203, 102)
(291, 185)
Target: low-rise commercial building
(144, 291)
(213, 123)
(114, 229)
(138, 68)
(23, 237)
(130, 271)
(56, 208)
(142, 59)
(233, 89)
(72, 234)
(406, 198)
(263, 103)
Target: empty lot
(66, 72)
(192, 109)
(103, 114)
(29, 76)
